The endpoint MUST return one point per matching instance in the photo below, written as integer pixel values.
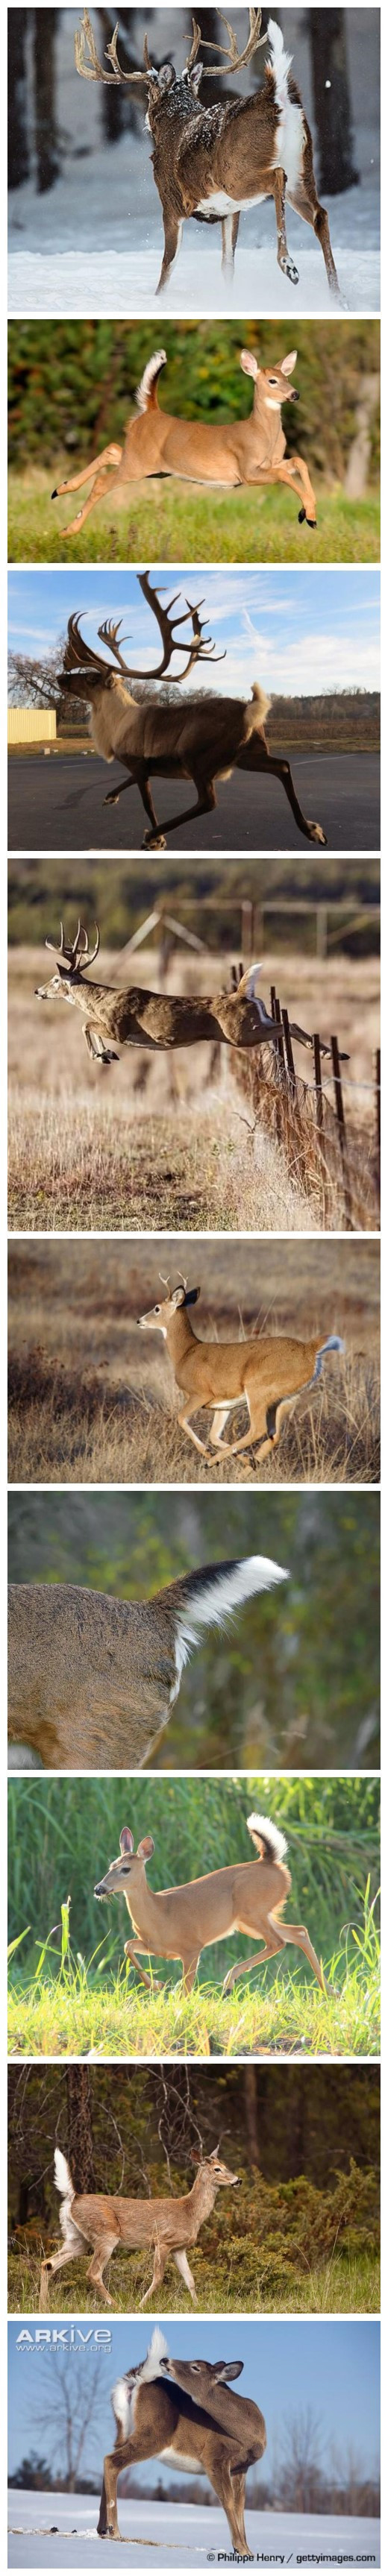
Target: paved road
(56, 803)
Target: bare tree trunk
(332, 107)
(250, 2081)
(46, 136)
(18, 152)
(81, 2155)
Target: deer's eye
(272, 380)
(156, 1310)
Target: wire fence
(332, 1153)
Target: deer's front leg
(173, 229)
(131, 1952)
(296, 475)
(284, 256)
(95, 1046)
(107, 2525)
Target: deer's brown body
(105, 2220)
(244, 452)
(185, 2413)
(210, 162)
(202, 739)
(137, 1017)
(268, 1373)
(180, 1922)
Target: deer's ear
(192, 1295)
(288, 364)
(145, 1848)
(196, 77)
(178, 1296)
(224, 2370)
(165, 77)
(248, 362)
(126, 1839)
(195, 2156)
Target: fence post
(342, 1133)
(319, 1100)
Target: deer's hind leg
(256, 756)
(183, 2267)
(256, 1961)
(229, 229)
(105, 472)
(283, 254)
(297, 1932)
(102, 2251)
(305, 201)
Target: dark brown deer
(202, 739)
(136, 1017)
(211, 162)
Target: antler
(81, 656)
(76, 953)
(234, 62)
(94, 70)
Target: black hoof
(310, 523)
(301, 515)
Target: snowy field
(194, 2535)
(93, 244)
(116, 265)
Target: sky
(289, 2365)
(294, 630)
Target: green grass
(346, 2283)
(75, 2009)
(235, 527)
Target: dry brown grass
(91, 1402)
(160, 1141)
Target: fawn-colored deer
(245, 452)
(105, 2220)
(268, 1374)
(180, 1922)
(136, 1017)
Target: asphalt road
(56, 803)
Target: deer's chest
(220, 203)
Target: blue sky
(288, 2366)
(291, 629)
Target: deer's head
(272, 383)
(199, 2377)
(166, 93)
(157, 1318)
(126, 1866)
(73, 958)
(219, 2173)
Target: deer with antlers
(136, 1017)
(266, 1374)
(211, 162)
(246, 452)
(202, 739)
(106, 2220)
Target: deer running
(104, 2220)
(268, 1374)
(136, 1017)
(93, 1680)
(180, 1922)
(201, 739)
(185, 2413)
(248, 452)
(211, 162)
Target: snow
(194, 2535)
(116, 265)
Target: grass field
(169, 1140)
(74, 2011)
(243, 2276)
(92, 1401)
(208, 527)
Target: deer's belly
(182, 2460)
(289, 145)
(220, 204)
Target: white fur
(290, 131)
(63, 2183)
(181, 2460)
(124, 2398)
(272, 406)
(220, 204)
(143, 390)
(220, 1597)
(122, 2405)
(261, 1825)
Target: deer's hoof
(113, 797)
(289, 271)
(310, 523)
(154, 841)
(315, 833)
(301, 515)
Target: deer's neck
(202, 2196)
(141, 1902)
(179, 1335)
(267, 419)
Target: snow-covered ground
(193, 2534)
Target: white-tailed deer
(248, 452)
(267, 1374)
(165, 2227)
(93, 1680)
(136, 1017)
(185, 2413)
(180, 1922)
(211, 162)
(202, 738)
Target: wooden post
(342, 1133)
(319, 1098)
(289, 1054)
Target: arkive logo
(64, 2338)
